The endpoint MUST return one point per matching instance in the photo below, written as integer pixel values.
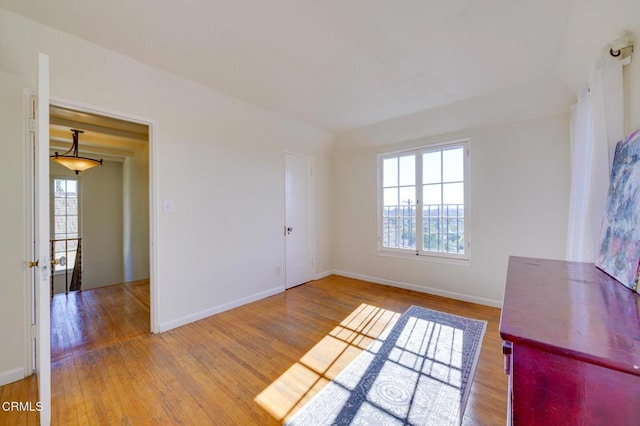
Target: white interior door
(299, 266)
(41, 287)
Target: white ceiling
(342, 64)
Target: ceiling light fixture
(74, 162)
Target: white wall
(519, 193)
(13, 253)
(136, 215)
(102, 225)
(632, 90)
(101, 222)
(218, 158)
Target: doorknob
(62, 261)
(33, 264)
(289, 230)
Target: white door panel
(41, 233)
(298, 219)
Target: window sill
(425, 258)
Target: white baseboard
(422, 289)
(239, 302)
(10, 376)
(322, 275)
(217, 309)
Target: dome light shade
(74, 162)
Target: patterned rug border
(452, 319)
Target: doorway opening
(100, 224)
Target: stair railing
(76, 276)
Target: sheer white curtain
(597, 124)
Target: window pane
(408, 195)
(60, 225)
(431, 240)
(390, 172)
(408, 170)
(72, 225)
(399, 202)
(389, 234)
(432, 194)
(72, 188)
(391, 197)
(59, 206)
(431, 167)
(65, 220)
(72, 206)
(453, 240)
(60, 187)
(453, 193)
(407, 225)
(453, 165)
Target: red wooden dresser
(572, 345)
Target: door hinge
(35, 331)
(32, 125)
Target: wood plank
(256, 364)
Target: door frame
(30, 280)
(153, 209)
(153, 187)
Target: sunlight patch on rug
(418, 372)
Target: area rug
(418, 372)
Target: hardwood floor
(84, 321)
(255, 364)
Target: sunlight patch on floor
(325, 360)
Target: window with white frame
(424, 201)
(66, 221)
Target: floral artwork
(620, 247)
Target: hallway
(84, 321)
